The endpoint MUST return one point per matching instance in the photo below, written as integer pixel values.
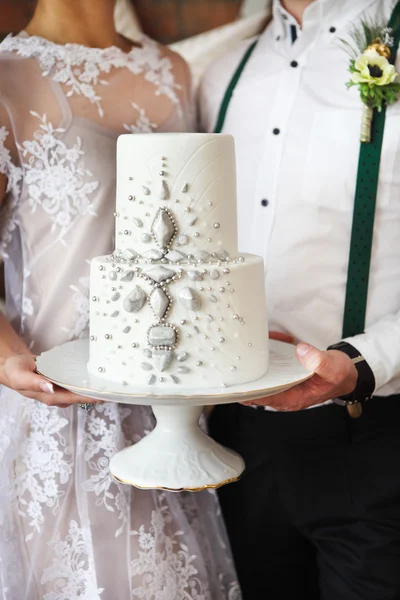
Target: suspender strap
(364, 213)
(231, 88)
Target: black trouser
(316, 515)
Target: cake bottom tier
(196, 325)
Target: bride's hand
(19, 373)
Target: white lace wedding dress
(68, 531)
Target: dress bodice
(61, 111)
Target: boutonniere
(371, 70)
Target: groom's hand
(334, 375)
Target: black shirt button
(332, 29)
(264, 202)
(276, 131)
(294, 63)
(278, 37)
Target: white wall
(252, 6)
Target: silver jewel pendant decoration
(152, 380)
(223, 255)
(137, 222)
(195, 276)
(153, 254)
(213, 298)
(163, 228)
(175, 256)
(202, 255)
(159, 302)
(182, 356)
(115, 314)
(192, 221)
(146, 366)
(146, 191)
(128, 276)
(115, 296)
(174, 378)
(159, 274)
(214, 274)
(145, 238)
(183, 370)
(129, 254)
(127, 329)
(162, 335)
(164, 191)
(185, 188)
(112, 276)
(182, 239)
(147, 352)
(190, 299)
(162, 359)
(135, 300)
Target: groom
(317, 514)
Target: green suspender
(364, 212)
(364, 203)
(231, 88)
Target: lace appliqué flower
(164, 565)
(143, 123)
(8, 212)
(71, 570)
(81, 302)
(43, 465)
(55, 176)
(79, 68)
(104, 436)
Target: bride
(69, 85)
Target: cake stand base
(177, 455)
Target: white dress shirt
(297, 134)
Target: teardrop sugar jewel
(164, 191)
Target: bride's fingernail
(47, 387)
(302, 349)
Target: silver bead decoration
(162, 173)
(147, 352)
(135, 300)
(137, 222)
(115, 296)
(93, 338)
(217, 225)
(101, 268)
(146, 191)
(250, 345)
(127, 232)
(199, 363)
(195, 275)
(183, 322)
(183, 239)
(128, 276)
(185, 188)
(221, 340)
(196, 234)
(162, 359)
(146, 366)
(130, 198)
(183, 370)
(241, 259)
(222, 290)
(108, 336)
(214, 274)
(112, 276)
(235, 317)
(159, 274)
(182, 356)
(145, 238)
(162, 335)
(164, 191)
(190, 299)
(226, 271)
(101, 369)
(159, 302)
(161, 379)
(135, 345)
(233, 368)
(152, 380)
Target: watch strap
(366, 380)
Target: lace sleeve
(13, 174)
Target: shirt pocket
(330, 173)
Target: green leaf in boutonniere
(371, 71)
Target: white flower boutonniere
(371, 70)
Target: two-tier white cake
(176, 303)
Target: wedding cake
(175, 303)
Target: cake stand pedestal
(177, 455)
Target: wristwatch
(365, 382)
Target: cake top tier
(176, 196)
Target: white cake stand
(177, 455)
